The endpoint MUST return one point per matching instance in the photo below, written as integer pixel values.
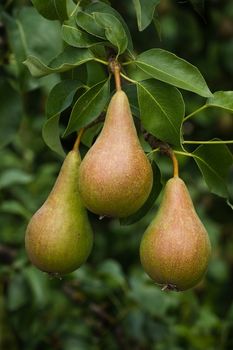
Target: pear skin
(115, 175)
(59, 237)
(175, 248)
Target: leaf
(165, 66)
(12, 177)
(114, 30)
(86, 22)
(145, 11)
(11, 111)
(60, 98)
(51, 135)
(51, 9)
(104, 8)
(22, 29)
(96, 72)
(157, 24)
(131, 92)
(71, 57)
(90, 134)
(214, 162)
(88, 106)
(155, 191)
(221, 99)
(161, 109)
(76, 37)
(16, 208)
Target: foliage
(109, 303)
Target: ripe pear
(59, 237)
(115, 175)
(175, 248)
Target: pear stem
(78, 140)
(175, 164)
(116, 70)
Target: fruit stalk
(78, 140)
(116, 69)
(175, 163)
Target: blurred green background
(109, 303)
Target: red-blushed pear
(115, 175)
(175, 248)
(59, 237)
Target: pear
(115, 175)
(59, 237)
(175, 248)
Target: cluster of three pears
(114, 179)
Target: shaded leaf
(165, 66)
(90, 134)
(104, 8)
(76, 37)
(25, 33)
(145, 11)
(16, 208)
(114, 31)
(14, 176)
(51, 9)
(214, 162)
(155, 191)
(86, 22)
(161, 109)
(68, 59)
(221, 99)
(88, 106)
(96, 72)
(111, 273)
(131, 92)
(11, 111)
(60, 98)
(51, 134)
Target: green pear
(175, 248)
(59, 237)
(115, 175)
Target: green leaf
(145, 11)
(96, 72)
(26, 36)
(114, 30)
(214, 162)
(104, 8)
(16, 208)
(60, 98)
(76, 37)
(11, 111)
(86, 22)
(51, 9)
(88, 106)
(71, 57)
(221, 99)
(51, 135)
(165, 66)
(161, 109)
(12, 177)
(131, 92)
(155, 191)
(90, 134)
